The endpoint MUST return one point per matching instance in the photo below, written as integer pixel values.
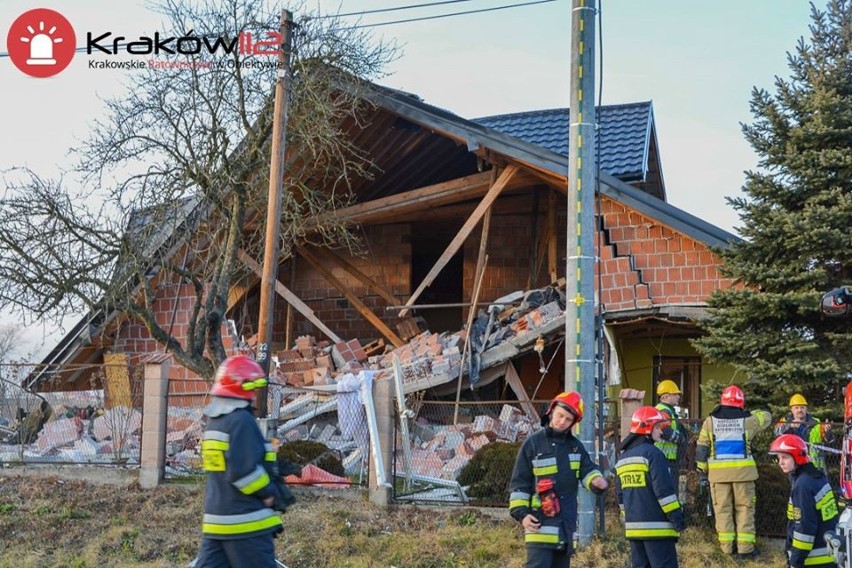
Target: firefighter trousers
(252, 552)
(540, 557)
(734, 506)
(653, 553)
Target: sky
(696, 61)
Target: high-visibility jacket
(811, 431)
(235, 457)
(646, 492)
(670, 447)
(562, 458)
(811, 511)
(723, 450)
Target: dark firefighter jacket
(562, 457)
(811, 512)
(646, 493)
(234, 454)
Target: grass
(50, 522)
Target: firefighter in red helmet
(647, 495)
(241, 495)
(812, 509)
(550, 466)
(724, 460)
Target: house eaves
(478, 137)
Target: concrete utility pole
(580, 245)
(273, 212)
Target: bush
(304, 452)
(488, 473)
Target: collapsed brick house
(440, 179)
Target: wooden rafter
(292, 298)
(352, 298)
(371, 284)
(377, 210)
(457, 242)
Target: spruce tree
(796, 224)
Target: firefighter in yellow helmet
(675, 437)
(724, 460)
(550, 466)
(806, 426)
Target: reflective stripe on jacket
(234, 452)
(669, 448)
(563, 458)
(722, 450)
(646, 493)
(811, 511)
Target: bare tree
(175, 175)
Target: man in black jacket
(812, 510)
(241, 496)
(653, 517)
(549, 469)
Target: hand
(674, 436)
(268, 502)
(703, 482)
(600, 483)
(530, 523)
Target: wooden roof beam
(386, 208)
(352, 298)
(457, 242)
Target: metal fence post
(154, 411)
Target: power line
(423, 18)
(397, 9)
(435, 17)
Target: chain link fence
(100, 425)
(323, 434)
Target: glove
(674, 436)
(703, 482)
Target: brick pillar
(631, 399)
(383, 400)
(154, 410)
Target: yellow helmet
(798, 400)
(667, 387)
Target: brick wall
(134, 340)
(644, 263)
(388, 263)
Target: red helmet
(570, 401)
(644, 420)
(793, 445)
(733, 396)
(238, 377)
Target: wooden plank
(551, 237)
(517, 387)
(462, 235)
(292, 298)
(353, 299)
(453, 191)
(117, 381)
(354, 271)
(468, 347)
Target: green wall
(637, 367)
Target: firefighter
(240, 522)
(806, 426)
(724, 460)
(812, 509)
(674, 438)
(647, 496)
(550, 466)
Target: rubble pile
(443, 451)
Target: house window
(686, 372)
